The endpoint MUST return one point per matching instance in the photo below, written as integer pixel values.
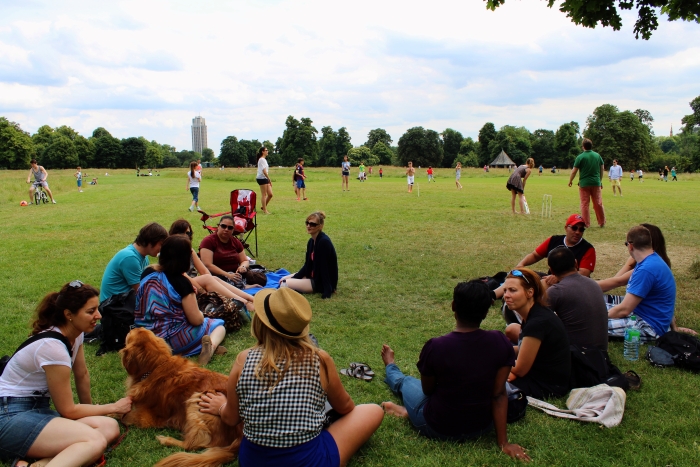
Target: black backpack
(42, 335)
(592, 366)
(117, 320)
(684, 348)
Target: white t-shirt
(24, 374)
(640, 173)
(194, 182)
(262, 165)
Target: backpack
(684, 348)
(42, 335)
(117, 320)
(592, 366)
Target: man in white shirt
(615, 176)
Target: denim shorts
(300, 183)
(195, 193)
(21, 421)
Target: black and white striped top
(289, 414)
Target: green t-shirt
(588, 164)
(362, 168)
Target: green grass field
(400, 256)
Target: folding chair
(243, 204)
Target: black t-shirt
(180, 283)
(552, 364)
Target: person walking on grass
(300, 186)
(79, 179)
(430, 174)
(615, 175)
(458, 175)
(194, 178)
(640, 175)
(673, 174)
(345, 173)
(410, 174)
(362, 172)
(263, 179)
(590, 182)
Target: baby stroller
(244, 218)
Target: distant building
(199, 134)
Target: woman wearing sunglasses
(223, 254)
(320, 271)
(205, 280)
(74, 434)
(543, 364)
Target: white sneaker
(191, 208)
(80, 191)
(54, 201)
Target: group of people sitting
(281, 388)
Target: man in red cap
(573, 240)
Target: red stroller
(244, 218)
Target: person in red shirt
(430, 174)
(222, 253)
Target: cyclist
(40, 175)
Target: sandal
(357, 372)
(365, 367)
(633, 379)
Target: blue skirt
(319, 452)
(21, 421)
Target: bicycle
(39, 194)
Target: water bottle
(632, 340)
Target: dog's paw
(169, 441)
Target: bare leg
(74, 442)
(214, 284)
(520, 202)
(513, 332)
(268, 187)
(300, 285)
(512, 200)
(46, 189)
(209, 345)
(353, 429)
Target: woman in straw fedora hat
(279, 389)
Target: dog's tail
(212, 457)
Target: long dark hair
(260, 153)
(175, 254)
(73, 297)
(658, 242)
(180, 226)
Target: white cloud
(146, 68)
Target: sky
(146, 68)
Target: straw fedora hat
(284, 311)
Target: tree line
(624, 135)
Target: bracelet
(224, 405)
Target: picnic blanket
(273, 281)
(600, 404)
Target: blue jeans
(195, 193)
(411, 392)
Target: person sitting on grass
(462, 391)
(279, 390)
(320, 271)
(166, 304)
(543, 364)
(40, 373)
(223, 253)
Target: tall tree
(299, 141)
(422, 147)
(61, 153)
(486, 135)
(515, 141)
(468, 153)
(362, 155)
(383, 153)
(377, 135)
(327, 147)
(566, 145)
(232, 153)
(108, 149)
(451, 141)
(251, 149)
(619, 135)
(134, 153)
(208, 155)
(343, 145)
(543, 147)
(16, 146)
(590, 13)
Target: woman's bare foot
(395, 409)
(387, 355)
(207, 351)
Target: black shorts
(346, 174)
(262, 181)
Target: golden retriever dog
(165, 390)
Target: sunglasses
(189, 234)
(226, 227)
(76, 284)
(517, 273)
(577, 229)
(311, 224)
(628, 243)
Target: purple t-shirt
(464, 365)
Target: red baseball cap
(574, 219)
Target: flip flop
(634, 379)
(357, 372)
(365, 367)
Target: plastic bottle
(632, 340)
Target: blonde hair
(530, 162)
(291, 353)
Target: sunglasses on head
(576, 228)
(226, 227)
(517, 273)
(76, 284)
(311, 224)
(628, 243)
